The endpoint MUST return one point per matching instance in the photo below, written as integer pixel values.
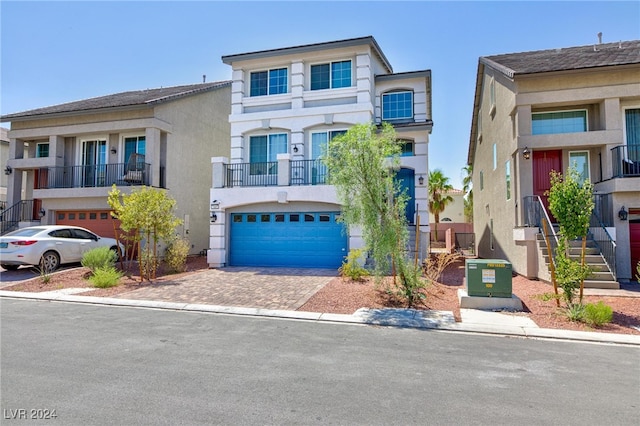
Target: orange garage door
(98, 221)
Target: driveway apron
(268, 288)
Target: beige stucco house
(68, 156)
(271, 203)
(4, 155)
(546, 110)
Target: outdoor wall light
(295, 148)
(622, 214)
(213, 216)
(421, 180)
(526, 153)
(8, 170)
(113, 150)
(42, 212)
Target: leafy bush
(99, 258)
(597, 314)
(105, 277)
(176, 255)
(411, 281)
(638, 272)
(351, 268)
(569, 272)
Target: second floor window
(134, 144)
(271, 82)
(548, 123)
(331, 76)
(319, 141)
(42, 150)
(397, 106)
(264, 149)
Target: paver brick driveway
(268, 288)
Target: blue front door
(406, 177)
(305, 239)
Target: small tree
(571, 202)
(361, 164)
(439, 186)
(467, 188)
(149, 213)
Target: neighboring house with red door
(270, 201)
(546, 110)
(67, 157)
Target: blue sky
(56, 52)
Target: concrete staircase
(601, 276)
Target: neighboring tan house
(547, 110)
(454, 211)
(71, 154)
(270, 202)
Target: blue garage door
(305, 240)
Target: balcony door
(94, 160)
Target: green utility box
(488, 277)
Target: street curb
(402, 318)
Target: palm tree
(439, 186)
(467, 187)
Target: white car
(49, 246)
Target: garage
(97, 221)
(303, 240)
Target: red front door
(543, 163)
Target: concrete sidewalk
(472, 320)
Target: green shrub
(105, 277)
(351, 268)
(99, 258)
(176, 255)
(575, 312)
(597, 314)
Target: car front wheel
(50, 261)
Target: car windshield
(25, 232)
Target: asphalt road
(107, 365)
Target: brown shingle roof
(124, 99)
(564, 59)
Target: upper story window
(397, 105)
(632, 133)
(134, 144)
(264, 149)
(406, 147)
(42, 150)
(271, 82)
(548, 123)
(319, 141)
(331, 76)
(495, 156)
(507, 174)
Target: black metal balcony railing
(22, 211)
(626, 161)
(102, 175)
(603, 208)
(308, 172)
(251, 174)
(599, 234)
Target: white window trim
(123, 136)
(393, 92)
(84, 139)
(624, 122)
(253, 135)
(330, 61)
(248, 81)
(42, 143)
(588, 161)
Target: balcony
(626, 161)
(93, 176)
(297, 172)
